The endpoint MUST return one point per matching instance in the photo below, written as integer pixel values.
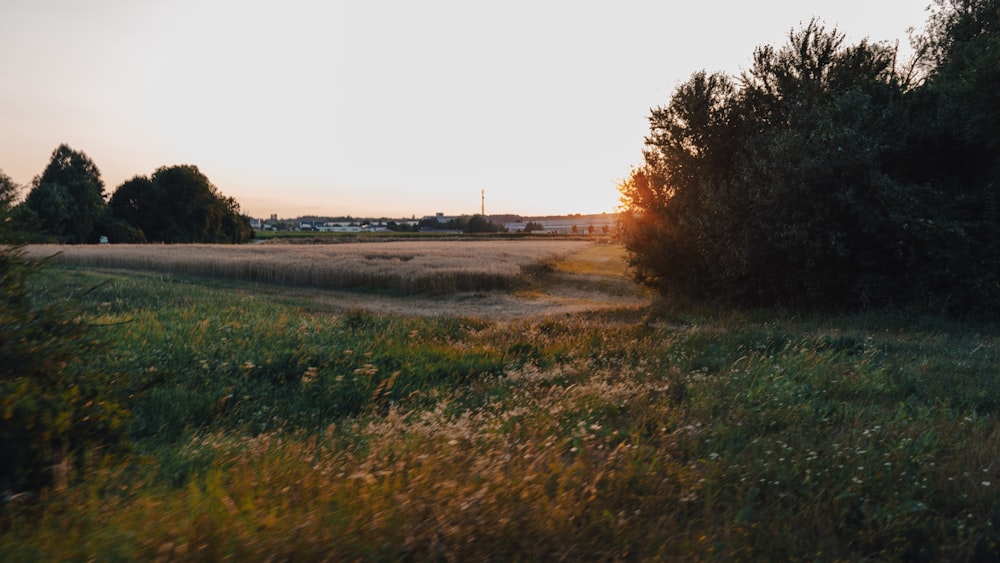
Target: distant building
(569, 224)
(335, 227)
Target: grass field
(261, 427)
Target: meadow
(263, 427)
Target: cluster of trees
(177, 204)
(829, 174)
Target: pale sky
(379, 108)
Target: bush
(52, 411)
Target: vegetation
(402, 267)
(262, 428)
(829, 176)
(480, 224)
(178, 204)
(67, 200)
(532, 226)
(54, 409)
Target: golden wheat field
(404, 267)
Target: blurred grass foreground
(257, 426)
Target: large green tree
(68, 198)
(178, 204)
(768, 188)
(810, 180)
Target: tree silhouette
(68, 198)
(178, 204)
(825, 176)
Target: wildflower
(986, 483)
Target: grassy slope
(262, 428)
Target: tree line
(830, 174)
(67, 203)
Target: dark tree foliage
(135, 203)
(453, 224)
(8, 193)
(401, 227)
(17, 220)
(67, 200)
(814, 179)
(480, 224)
(178, 204)
(955, 146)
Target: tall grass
(403, 267)
(265, 430)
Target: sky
(378, 108)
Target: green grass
(260, 427)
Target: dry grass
(599, 260)
(403, 267)
(537, 473)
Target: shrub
(51, 409)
